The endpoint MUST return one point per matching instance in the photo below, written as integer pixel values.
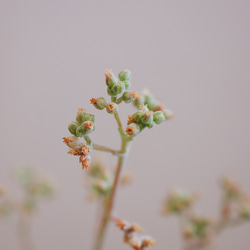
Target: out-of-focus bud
(139, 100)
(73, 127)
(147, 117)
(99, 103)
(168, 113)
(111, 79)
(118, 88)
(2, 191)
(125, 75)
(159, 117)
(179, 200)
(128, 97)
(112, 108)
(245, 210)
(135, 242)
(133, 129)
(187, 231)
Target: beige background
(194, 55)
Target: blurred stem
(125, 145)
(24, 232)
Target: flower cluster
(117, 86)
(178, 201)
(100, 180)
(235, 202)
(198, 230)
(152, 103)
(34, 188)
(150, 111)
(83, 125)
(133, 235)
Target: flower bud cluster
(179, 200)
(100, 180)
(117, 86)
(152, 103)
(199, 229)
(34, 188)
(80, 149)
(234, 200)
(133, 235)
(143, 118)
(83, 125)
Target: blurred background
(193, 55)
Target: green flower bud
(112, 108)
(84, 129)
(89, 117)
(133, 129)
(73, 126)
(127, 84)
(137, 116)
(127, 97)
(118, 88)
(147, 117)
(159, 117)
(125, 75)
(99, 103)
(110, 92)
(111, 79)
(151, 125)
(80, 114)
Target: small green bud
(99, 103)
(159, 117)
(133, 129)
(125, 75)
(137, 116)
(84, 129)
(110, 92)
(112, 108)
(89, 117)
(80, 114)
(151, 125)
(118, 88)
(128, 97)
(147, 117)
(127, 84)
(73, 126)
(111, 79)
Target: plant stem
(106, 149)
(110, 201)
(24, 232)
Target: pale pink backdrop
(194, 55)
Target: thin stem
(24, 232)
(105, 149)
(110, 200)
(120, 128)
(87, 139)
